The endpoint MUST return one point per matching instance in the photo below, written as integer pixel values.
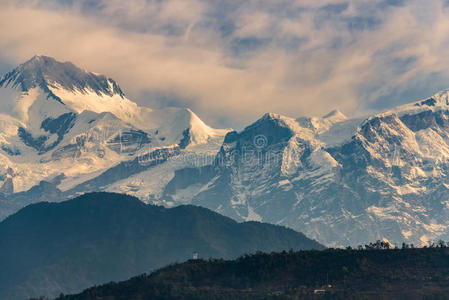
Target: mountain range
(49, 248)
(342, 181)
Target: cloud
(235, 60)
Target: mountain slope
(65, 131)
(63, 125)
(45, 72)
(342, 181)
(351, 274)
(48, 248)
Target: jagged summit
(323, 175)
(46, 72)
(335, 115)
(76, 90)
(270, 116)
(74, 123)
(272, 119)
(438, 102)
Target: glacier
(342, 181)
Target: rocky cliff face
(74, 131)
(351, 181)
(341, 181)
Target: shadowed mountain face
(49, 248)
(342, 181)
(75, 130)
(45, 72)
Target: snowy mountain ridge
(343, 181)
(45, 72)
(55, 114)
(346, 182)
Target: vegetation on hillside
(49, 248)
(374, 271)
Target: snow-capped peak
(320, 125)
(439, 101)
(44, 88)
(67, 88)
(53, 114)
(335, 115)
(45, 72)
(178, 124)
(200, 132)
(277, 118)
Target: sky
(231, 61)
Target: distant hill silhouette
(49, 248)
(329, 274)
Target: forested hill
(329, 274)
(49, 248)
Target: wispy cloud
(238, 59)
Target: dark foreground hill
(329, 274)
(49, 248)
